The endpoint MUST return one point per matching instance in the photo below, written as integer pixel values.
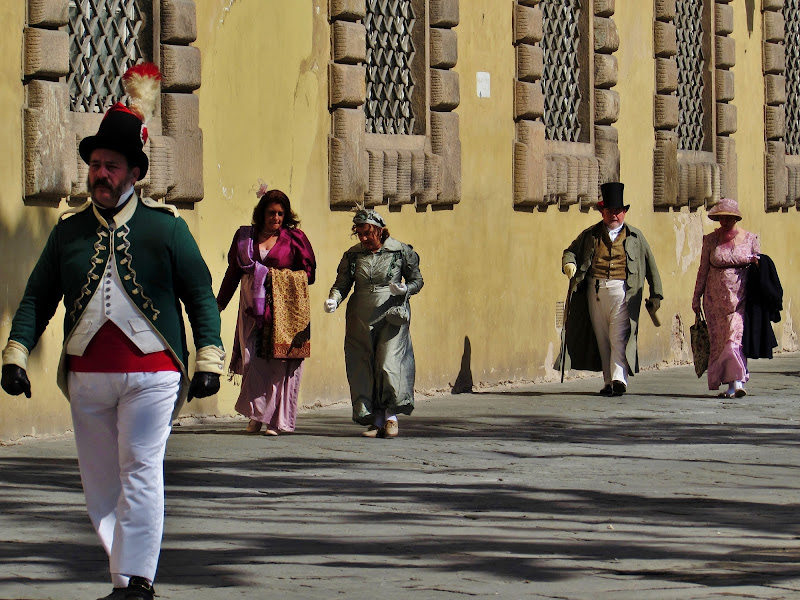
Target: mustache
(103, 183)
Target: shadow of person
(464, 384)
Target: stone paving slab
(540, 491)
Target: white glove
(570, 269)
(330, 305)
(398, 289)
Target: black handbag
(701, 344)
(399, 315)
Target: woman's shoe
(392, 429)
(269, 431)
(372, 432)
(253, 426)
(740, 393)
(725, 395)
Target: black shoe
(618, 388)
(116, 594)
(139, 589)
(606, 391)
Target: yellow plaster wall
(23, 233)
(492, 274)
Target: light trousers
(122, 422)
(612, 327)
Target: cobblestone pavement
(538, 492)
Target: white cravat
(613, 233)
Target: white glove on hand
(398, 289)
(330, 305)
(570, 269)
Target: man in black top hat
(608, 264)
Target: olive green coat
(582, 352)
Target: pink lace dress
(721, 283)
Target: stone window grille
(75, 52)
(392, 94)
(564, 107)
(781, 64)
(390, 51)
(561, 77)
(691, 66)
(106, 37)
(694, 162)
(791, 18)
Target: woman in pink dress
(270, 386)
(721, 284)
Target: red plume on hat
(124, 129)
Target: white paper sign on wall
(484, 84)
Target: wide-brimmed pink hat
(727, 207)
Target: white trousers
(612, 327)
(122, 422)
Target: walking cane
(564, 329)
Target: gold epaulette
(74, 210)
(150, 203)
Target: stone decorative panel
(401, 148)
(75, 54)
(564, 106)
(781, 66)
(694, 160)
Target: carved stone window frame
(52, 166)
(422, 169)
(694, 178)
(565, 173)
(781, 170)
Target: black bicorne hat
(122, 131)
(612, 196)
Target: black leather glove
(203, 384)
(15, 381)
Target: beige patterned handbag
(289, 335)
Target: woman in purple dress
(721, 284)
(269, 385)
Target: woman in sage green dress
(379, 358)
